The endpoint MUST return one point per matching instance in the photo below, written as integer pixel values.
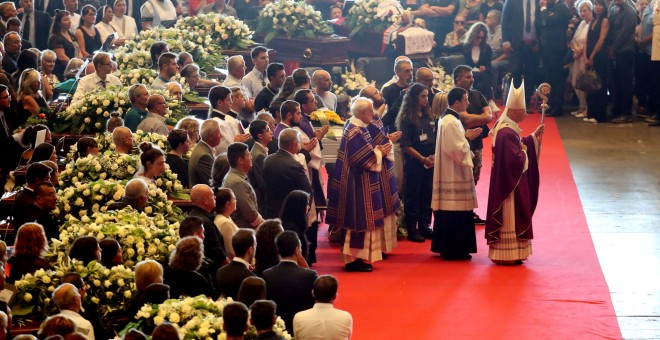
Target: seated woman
(111, 253)
(30, 100)
(225, 204)
(29, 249)
(479, 55)
(182, 275)
(86, 146)
(26, 59)
(62, 42)
(87, 35)
(152, 160)
(294, 218)
(114, 122)
(266, 255)
(180, 144)
(85, 249)
(29, 140)
(48, 79)
(105, 27)
(146, 273)
(190, 124)
(43, 152)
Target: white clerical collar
(357, 122)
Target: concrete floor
(617, 172)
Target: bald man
(67, 298)
(155, 120)
(322, 87)
(123, 139)
(425, 77)
(203, 201)
(136, 196)
(371, 92)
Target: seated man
(99, 80)
(136, 196)
(138, 95)
(247, 213)
(155, 120)
(68, 300)
(36, 174)
(288, 284)
(453, 43)
(323, 321)
(44, 203)
(167, 69)
(123, 139)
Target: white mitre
(516, 97)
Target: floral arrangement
(363, 16)
(90, 113)
(352, 82)
(441, 79)
(291, 18)
(225, 31)
(85, 199)
(40, 118)
(110, 289)
(331, 116)
(205, 52)
(131, 76)
(195, 318)
(141, 236)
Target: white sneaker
(581, 115)
(590, 120)
(493, 106)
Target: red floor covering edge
(559, 293)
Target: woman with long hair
(417, 141)
(286, 90)
(179, 145)
(62, 42)
(439, 105)
(87, 35)
(266, 254)
(111, 253)
(85, 249)
(598, 61)
(86, 146)
(225, 204)
(294, 217)
(578, 46)
(31, 101)
(44, 152)
(48, 78)
(478, 55)
(29, 250)
(152, 160)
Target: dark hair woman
(87, 146)
(87, 35)
(85, 249)
(179, 145)
(294, 217)
(62, 42)
(152, 160)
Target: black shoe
(461, 257)
(426, 232)
(358, 266)
(622, 120)
(656, 123)
(478, 220)
(385, 256)
(414, 236)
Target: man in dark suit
(229, 278)
(35, 174)
(201, 160)
(520, 21)
(13, 46)
(262, 135)
(44, 203)
(36, 25)
(203, 203)
(554, 21)
(285, 174)
(288, 284)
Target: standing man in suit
(554, 21)
(520, 39)
(36, 25)
(285, 173)
(288, 284)
(203, 201)
(202, 158)
(229, 278)
(262, 135)
(621, 35)
(7, 11)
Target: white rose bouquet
(352, 82)
(134, 75)
(225, 31)
(291, 18)
(441, 79)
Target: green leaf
(270, 36)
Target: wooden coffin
(363, 44)
(323, 50)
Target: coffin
(364, 44)
(323, 50)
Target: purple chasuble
(306, 126)
(507, 177)
(390, 191)
(354, 192)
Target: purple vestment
(390, 191)
(507, 177)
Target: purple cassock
(390, 191)
(354, 193)
(507, 177)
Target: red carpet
(559, 293)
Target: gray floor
(617, 172)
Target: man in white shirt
(101, 79)
(256, 80)
(67, 298)
(323, 321)
(322, 87)
(235, 73)
(221, 101)
(167, 69)
(72, 7)
(155, 121)
(35, 25)
(125, 25)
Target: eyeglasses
(459, 22)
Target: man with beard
(371, 92)
(425, 76)
(276, 75)
(478, 114)
(322, 87)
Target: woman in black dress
(62, 42)
(597, 60)
(180, 144)
(87, 35)
(478, 55)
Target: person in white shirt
(67, 298)
(72, 7)
(235, 73)
(256, 80)
(124, 24)
(323, 321)
(167, 69)
(98, 80)
(322, 87)
(158, 13)
(221, 101)
(155, 120)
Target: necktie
(4, 124)
(102, 83)
(528, 16)
(26, 27)
(263, 80)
